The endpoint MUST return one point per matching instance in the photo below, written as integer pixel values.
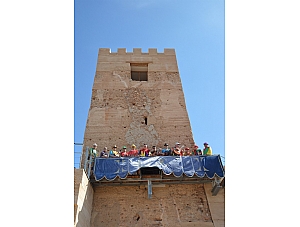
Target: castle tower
(137, 98)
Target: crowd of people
(144, 151)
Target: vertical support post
(140, 171)
(149, 189)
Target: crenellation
(137, 51)
(152, 51)
(169, 51)
(121, 51)
(104, 51)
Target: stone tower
(137, 98)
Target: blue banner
(201, 166)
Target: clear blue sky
(194, 28)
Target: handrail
(88, 162)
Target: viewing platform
(157, 171)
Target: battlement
(136, 51)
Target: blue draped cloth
(200, 166)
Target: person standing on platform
(104, 153)
(114, 153)
(177, 150)
(207, 149)
(186, 152)
(93, 154)
(196, 150)
(144, 152)
(133, 152)
(153, 152)
(124, 152)
(166, 151)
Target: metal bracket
(216, 186)
(149, 189)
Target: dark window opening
(150, 171)
(139, 72)
(139, 76)
(145, 121)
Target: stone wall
(216, 205)
(170, 206)
(83, 199)
(125, 112)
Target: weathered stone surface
(125, 112)
(172, 205)
(216, 205)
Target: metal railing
(78, 156)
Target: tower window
(139, 71)
(145, 120)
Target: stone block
(121, 51)
(152, 51)
(104, 51)
(137, 51)
(169, 51)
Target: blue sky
(194, 28)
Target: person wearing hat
(207, 149)
(166, 151)
(133, 152)
(104, 153)
(196, 150)
(124, 152)
(114, 153)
